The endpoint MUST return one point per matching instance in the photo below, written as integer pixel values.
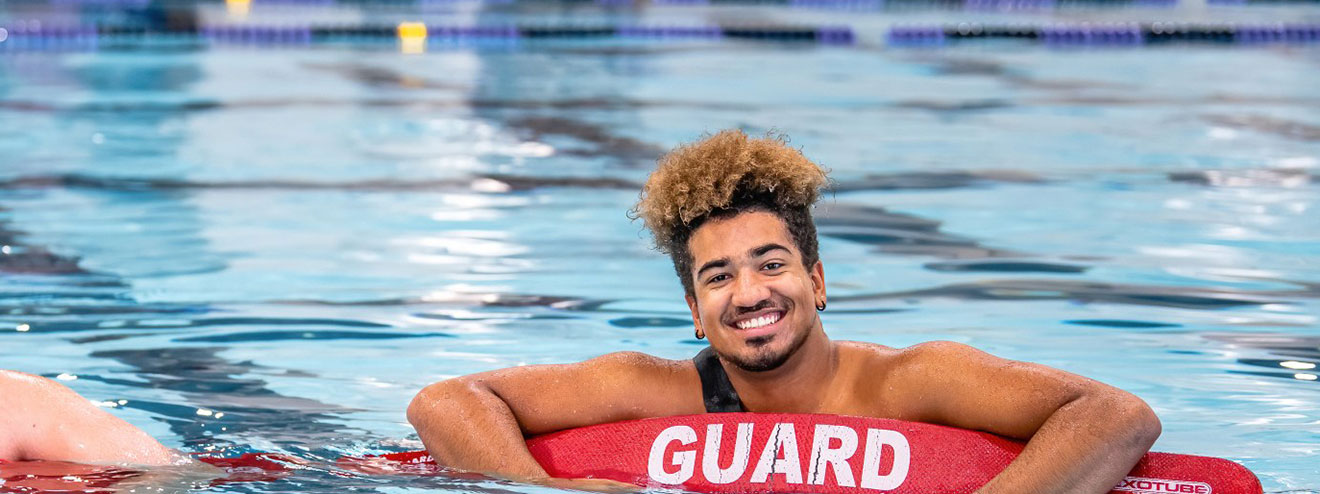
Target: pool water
(273, 248)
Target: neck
(798, 386)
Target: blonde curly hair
(722, 175)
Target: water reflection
(898, 233)
(252, 412)
(1301, 354)
(1280, 127)
(1085, 292)
(18, 257)
(1270, 177)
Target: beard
(762, 357)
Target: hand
(592, 485)
(60, 476)
(181, 477)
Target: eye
(718, 278)
(771, 266)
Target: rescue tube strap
(716, 390)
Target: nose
(749, 291)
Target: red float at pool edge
(782, 453)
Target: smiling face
(753, 297)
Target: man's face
(754, 299)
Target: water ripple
(1085, 292)
(306, 335)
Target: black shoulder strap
(718, 392)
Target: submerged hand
(592, 485)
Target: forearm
(465, 425)
(1087, 446)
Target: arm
(479, 422)
(1083, 436)
(41, 419)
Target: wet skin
(1083, 435)
(41, 419)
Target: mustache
(762, 305)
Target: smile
(759, 322)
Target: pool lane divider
(35, 35)
(244, 6)
(32, 35)
(1105, 34)
(987, 5)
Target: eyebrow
(756, 252)
(718, 263)
(764, 249)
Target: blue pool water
(301, 237)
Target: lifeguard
(734, 215)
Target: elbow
(436, 398)
(424, 404)
(1151, 425)
(1137, 421)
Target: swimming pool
(271, 246)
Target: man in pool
(734, 215)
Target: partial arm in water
(479, 422)
(41, 419)
(1083, 436)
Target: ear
(696, 316)
(818, 281)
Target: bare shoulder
(935, 351)
(642, 367)
(45, 420)
(13, 387)
(24, 408)
(884, 379)
(865, 356)
(22, 389)
(880, 358)
(15, 381)
(862, 346)
(932, 362)
(8, 377)
(920, 357)
(864, 368)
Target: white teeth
(765, 320)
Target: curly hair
(720, 176)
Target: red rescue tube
(826, 454)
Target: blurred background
(261, 225)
